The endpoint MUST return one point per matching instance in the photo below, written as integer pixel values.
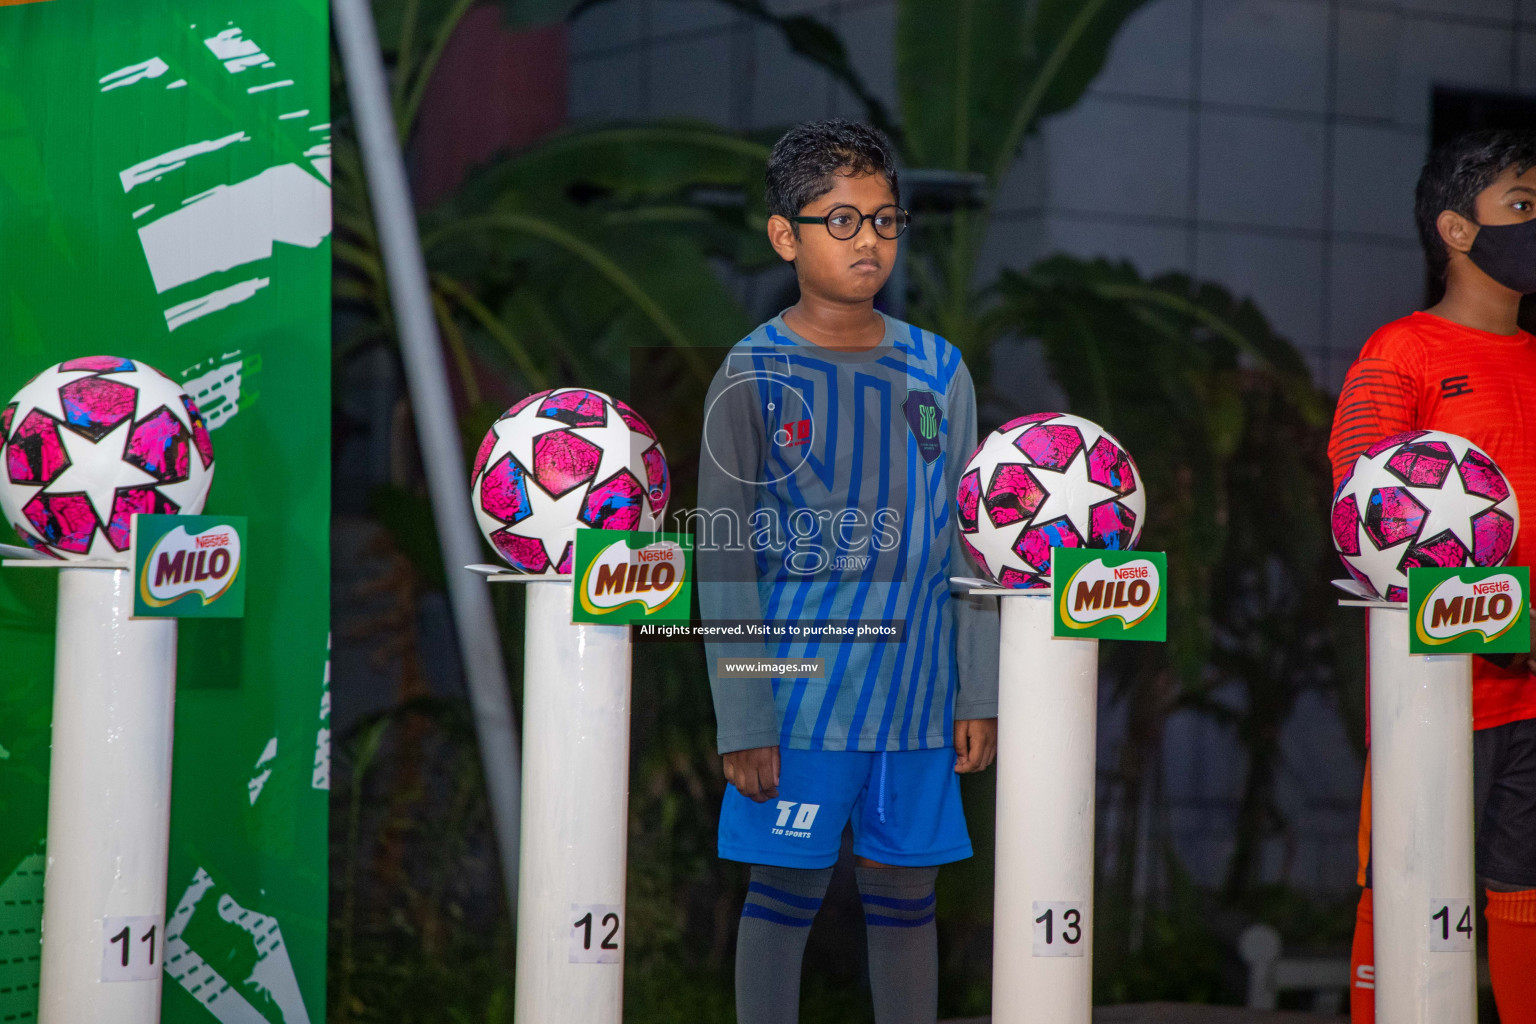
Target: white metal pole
(109, 805)
(1042, 952)
(436, 430)
(570, 929)
(1421, 829)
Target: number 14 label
(1450, 926)
(1059, 928)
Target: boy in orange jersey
(1464, 366)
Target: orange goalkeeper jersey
(1424, 372)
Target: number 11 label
(130, 948)
(1450, 926)
(597, 933)
(1059, 928)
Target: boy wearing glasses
(834, 438)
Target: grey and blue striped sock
(770, 943)
(903, 943)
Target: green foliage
(550, 263)
(1304, 922)
(977, 76)
(411, 944)
(403, 513)
(808, 38)
(1193, 381)
(1180, 959)
(1188, 952)
(586, 246)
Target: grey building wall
(1269, 145)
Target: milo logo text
(1097, 592)
(1456, 608)
(650, 576)
(182, 563)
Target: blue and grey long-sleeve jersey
(826, 489)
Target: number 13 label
(1450, 926)
(597, 932)
(130, 948)
(1059, 928)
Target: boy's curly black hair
(1456, 172)
(802, 163)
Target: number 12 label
(1059, 928)
(130, 948)
(1450, 926)
(597, 933)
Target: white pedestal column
(1042, 959)
(1421, 829)
(109, 805)
(570, 928)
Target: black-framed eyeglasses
(845, 222)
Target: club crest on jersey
(923, 419)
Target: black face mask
(1507, 253)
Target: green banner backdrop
(165, 196)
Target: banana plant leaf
(976, 76)
(550, 264)
(808, 38)
(1196, 384)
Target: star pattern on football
(1044, 481)
(563, 460)
(1421, 499)
(90, 442)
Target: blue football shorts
(904, 806)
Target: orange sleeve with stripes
(1379, 398)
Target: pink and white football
(559, 461)
(1043, 481)
(1421, 499)
(88, 443)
